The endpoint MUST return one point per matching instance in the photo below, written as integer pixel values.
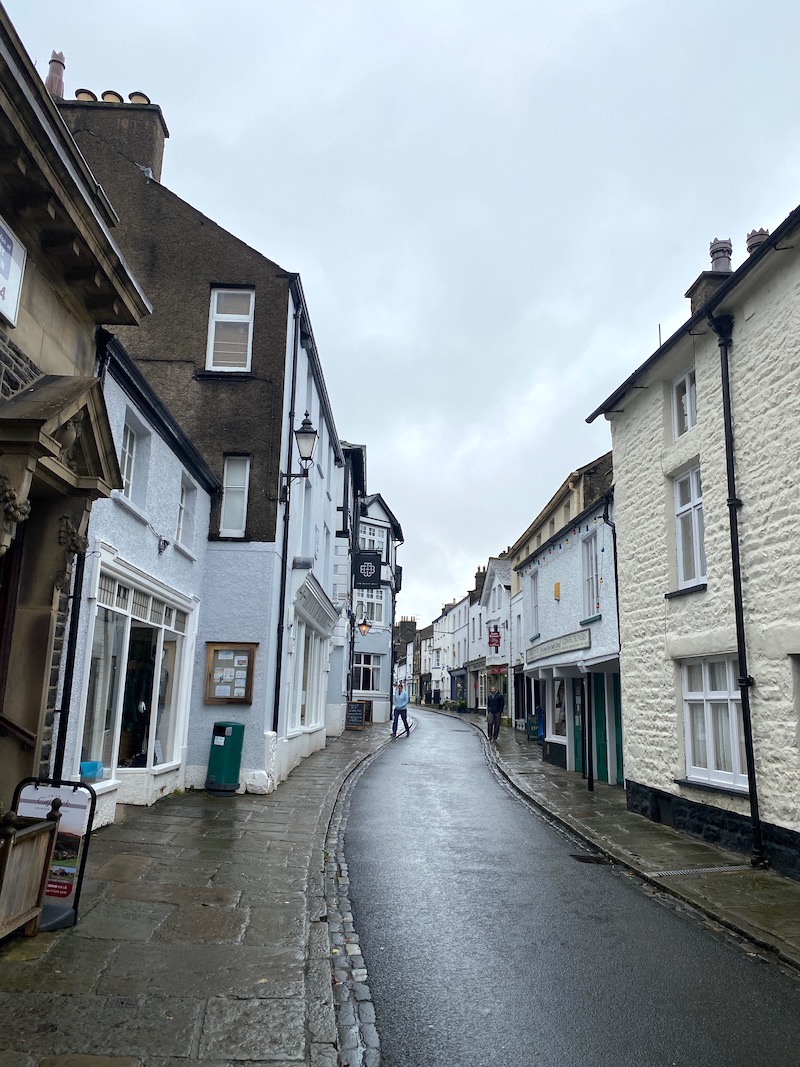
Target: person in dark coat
(494, 709)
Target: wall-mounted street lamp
(306, 437)
(364, 626)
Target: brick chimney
(709, 281)
(136, 128)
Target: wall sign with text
(12, 269)
(229, 672)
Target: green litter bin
(225, 758)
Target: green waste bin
(225, 758)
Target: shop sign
(494, 639)
(568, 643)
(12, 269)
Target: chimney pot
(86, 95)
(139, 98)
(54, 83)
(755, 239)
(110, 96)
(721, 252)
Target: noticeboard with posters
(229, 672)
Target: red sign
(494, 639)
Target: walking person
(494, 709)
(400, 705)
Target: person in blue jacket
(400, 705)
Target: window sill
(130, 507)
(712, 787)
(228, 375)
(184, 551)
(590, 620)
(557, 740)
(686, 591)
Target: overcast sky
(492, 205)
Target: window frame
(370, 603)
(360, 666)
(215, 317)
(710, 699)
(693, 507)
(590, 561)
(127, 459)
(369, 539)
(227, 489)
(688, 411)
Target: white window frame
(684, 403)
(128, 459)
(712, 720)
(372, 538)
(534, 603)
(229, 487)
(184, 526)
(591, 576)
(367, 661)
(370, 603)
(689, 524)
(215, 316)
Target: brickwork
(657, 633)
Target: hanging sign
(367, 570)
(494, 639)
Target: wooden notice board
(354, 717)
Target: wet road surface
(487, 943)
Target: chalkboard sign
(354, 719)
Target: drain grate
(702, 870)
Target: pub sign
(367, 570)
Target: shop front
(131, 734)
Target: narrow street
(487, 942)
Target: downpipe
(722, 325)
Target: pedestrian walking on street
(400, 705)
(494, 709)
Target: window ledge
(712, 787)
(590, 620)
(184, 551)
(557, 740)
(229, 375)
(700, 587)
(129, 506)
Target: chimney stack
(709, 281)
(135, 128)
(54, 83)
(755, 240)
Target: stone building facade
(706, 519)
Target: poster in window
(229, 672)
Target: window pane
(234, 303)
(720, 718)
(164, 749)
(718, 676)
(233, 510)
(681, 424)
(694, 678)
(107, 666)
(236, 472)
(686, 546)
(231, 341)
(701, 538)
(697, 725)
(684, 492)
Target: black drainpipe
(722, 325)
(285, 552)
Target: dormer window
(684, 404)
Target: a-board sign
(354, 718)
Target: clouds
(493, 207)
